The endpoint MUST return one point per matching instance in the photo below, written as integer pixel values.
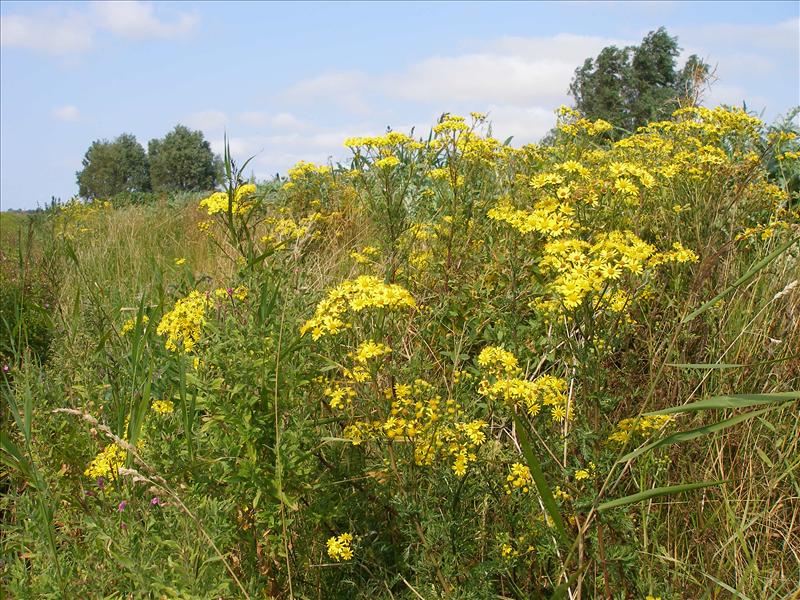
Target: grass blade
(655, 492)
(731, 401)
(683, 436)
(538, 478)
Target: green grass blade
(731, 401)
(725, 586)
(751, 272)
(655, 492)
(538, 478)
(683, 436)
(714, 366)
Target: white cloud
(281, 120)
(347, 89)
(134, 19)
(526, 125)
(61, 32)
(66, 113)
(507, 71)
(207, 120)
(48, 32)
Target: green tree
(111, 168)
(632, 86)
(182, 161)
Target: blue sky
(291, 81)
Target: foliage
(633, 86)
(182, 161)
(111, 168)
(451, 368)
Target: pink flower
(122, 506)
(156, 501)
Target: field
(451, 369)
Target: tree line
(180, 161)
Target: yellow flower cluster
(417, 415)
(239, 293)
(355, 295)
(304, 169)
(130, 324)
(642, 425)
(219, 202)
(288, 229)
(571, 122)
(368, 350)
(504, 384)
(580, 268)
(392, 138)
(387, 162)
(183, 325)
(340, 396)
(518, 479)
(163, 407)
(365, 256)
(548, 217)
(340, 547)
(498, 362)
(107, 463)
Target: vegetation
(182, 161)
(448, 369)
(633, 86)
(111, 168)
(121, 171)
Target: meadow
(450, 368)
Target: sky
(290, 81)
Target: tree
(182, 161)
(110, 168)
(632, 86)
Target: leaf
(725, 586)
(731, 401)
(538, 478)
(713, 366)
(655, 492)
(683, 436)
(751, 272)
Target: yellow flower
(339, 547)
(519, 478)
(184, 323)
(163, 407)
(354, 296)
(130, 324)
(180, 261)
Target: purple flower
(122, 506)
(156, 501)
(230, 291)
(101, 483)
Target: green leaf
(655, 492)
(731, 401)
(725, 586)
(683, 436)
(751, 272)
(538, 478)
(714, 366)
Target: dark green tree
(632, 86)
(182, 161)
(111, 168)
